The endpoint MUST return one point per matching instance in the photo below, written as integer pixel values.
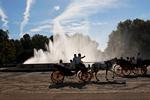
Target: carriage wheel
(86, 76)
(136, 71)
(144, 70)
(79, 73)
(100, 75)
(126, 71)
(57, 77)
(118, 70)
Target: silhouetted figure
(74, 58)
(61, 67)
(121, 58)
(133, 60)
(138, 56)
(78, 63)
(78, 60)
(61, 63)
(72, 64)
(138, 59)
(128, 59)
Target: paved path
(37, 86)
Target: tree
(130, 38)
(27, 48)
(26, 42)
(3, 35)
(7, 49)
(17, 51)
(39, 41)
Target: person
(79, 64)
(74, 58)
(121, 58)
(78, 59)
(127, 59)
(72, 64)
(61, 63)
(133, 60)
(138, 58)
(63, 69)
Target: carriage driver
(61, 63)
(138, 58)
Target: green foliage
(130, 38)
(7, 49)
(3, 35)
(39, 41)
(17, 51)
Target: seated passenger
(61, 63)
(72, 64)
(78, 59)
(79, 64)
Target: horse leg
(113, 75)
(95, 74)
(106, 74)
(113, 72)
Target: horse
(128, 66)
(106, 65)
(143, 64)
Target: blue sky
(96, 18)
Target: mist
(130, 38)
(64, 47)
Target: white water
(65, 46)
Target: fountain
(64, 46)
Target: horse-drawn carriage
(85, 74)
(116, 67)
(61, 72)
(124, 67)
